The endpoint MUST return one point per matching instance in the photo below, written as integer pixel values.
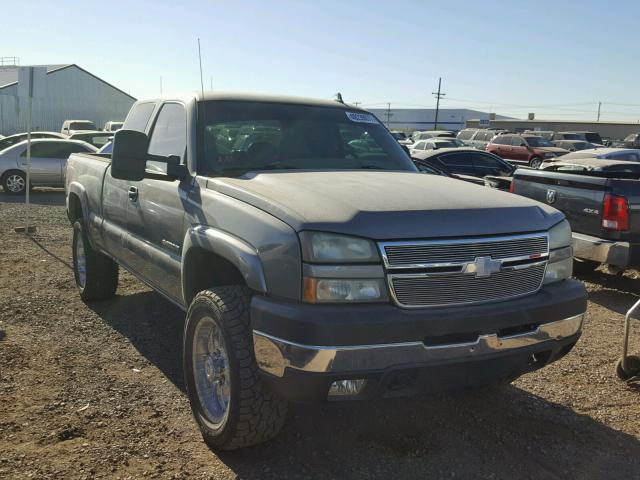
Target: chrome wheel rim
(15, 183)
(81, 262)
(211, 371)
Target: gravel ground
(96, 391)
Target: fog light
(346, 387)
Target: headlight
(560, 235)
(319, 247)
(332, 290)
(560, 264)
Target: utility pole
(388, 115)
(438, 95)
(160, 85)
(599, 105)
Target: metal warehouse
(410, 119)
(67, 92)
(615, 130)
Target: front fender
(233, 249)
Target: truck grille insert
(456, 289)
(450, 272)
(439, 252)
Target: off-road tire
(5, 180)
(255, 413)
(101, 271)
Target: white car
(48, 163)
(69, 127)
(434, 144)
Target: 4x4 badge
(551, 196)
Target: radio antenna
(200, 60)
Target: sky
(555, 58)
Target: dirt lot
(96, 391)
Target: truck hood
(387, 205)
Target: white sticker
(361, 117)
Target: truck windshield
(235, 137)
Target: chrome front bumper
(600, 250)
(274, 355)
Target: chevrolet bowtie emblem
(482, 267)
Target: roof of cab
(256, 97)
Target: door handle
(133, 194)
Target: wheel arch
(212, 257)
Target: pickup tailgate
(579, 197)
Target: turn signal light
(615, 214)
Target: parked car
(573, 145)
(468, 164)
(48, 162)
(482, 138)
(528, 149)
(631, 141)
(605, 153)
(6, 142)
(423, 135)
(547, 134)
(112, 126)
(601, 199)
(96, 138)
(107, 148)
(401, 137)
(591, 137)
(443, 142)
(311, 271)
(71, 126)
(466, 134)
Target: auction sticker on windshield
(361, 117)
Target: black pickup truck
(601, 200)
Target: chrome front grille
(458, 289)
(457, 272)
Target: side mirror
(129, 156)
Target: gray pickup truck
(312, 259)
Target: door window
(488, 165)
(48, 150)
(459, 163)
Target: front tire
(14, 182)
(96, 274)
(231, 405)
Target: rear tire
(14, 182)
(96, 274)
(229, 401)
(535, 162)
(584, 267)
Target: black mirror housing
(129, 156)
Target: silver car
(48, 163)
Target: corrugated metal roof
(9, 75)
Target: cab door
(156, 207)
(46, 162)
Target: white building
(410, 119)
(67, 92)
